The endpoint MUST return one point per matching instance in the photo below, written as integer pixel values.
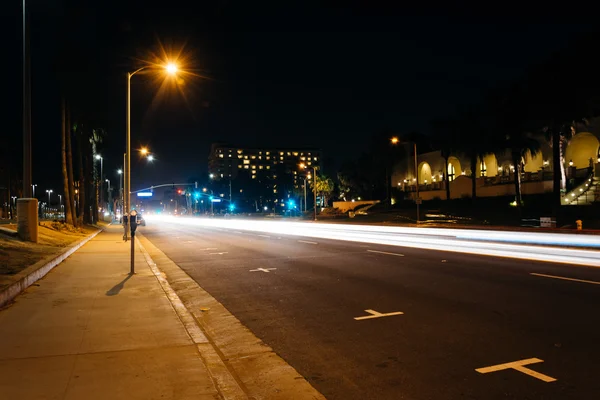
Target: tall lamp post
(33, 189)
(395, 141)
(99, 157)
(314, 167)
(120, 172)
(171, 69)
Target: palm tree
(66, 180)
(444, 131)
(521, 145)
(476, 144)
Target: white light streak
(523, 245)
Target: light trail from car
(549, 247)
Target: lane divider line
(565, 278)
(385, 252)
(307, 242)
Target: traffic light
(179, 191)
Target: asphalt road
(461, 313)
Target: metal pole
(33, 190)
(132, 268)
(315, 191)
(102, 182)
(127, 165)
(26, 109)
(304, 194)
(230, 191)
(417, 181)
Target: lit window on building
(483, 169)
(240, 151)
(253, 171)
(245, 157)
(303, 158)
(308, 162)
(254, 167)
(281, 153)
(239, 156)
(220, 155)
(240, 166)
(314, 158)
(268, 167)
(253, 176)
(309, 158)
(254, 157)
(246, 161)
(230, 156)
(221, 175)
(274, 190)
(268, 157)
(295, 153)
(268, 152)
(246, 166)
(289, 154)
(260, 167)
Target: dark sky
(278, 74)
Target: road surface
(370, 321)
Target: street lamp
(99, 157)
(171, 69)
(33, 189)
(150, 157)
(120, 172)
(59, 201)
(314, 167)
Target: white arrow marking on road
(519, 366)
(224, 252)
(262, 269)
(385, 252)
(375, 314)
(208, 248)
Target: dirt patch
(16, 255)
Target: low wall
(344, 206)
(461, 187)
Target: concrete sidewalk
(89, 330)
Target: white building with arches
(495, 172)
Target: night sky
(274, 74)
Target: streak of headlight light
(454, 240)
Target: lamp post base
(27, 219)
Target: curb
(34, 272)
(8, 232)
(242, 366)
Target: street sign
(216, 200)
(419, 201)
(144, 194)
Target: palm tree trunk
(447, 181)
(473, 178)
(556, 169)
(517, 177)
(71, 198)
(82, 180)
(68, 215)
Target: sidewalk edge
(258, 370)
(38, 270)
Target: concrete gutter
(33, 273)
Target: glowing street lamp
(150, 157)
(314, 167)
(170, 69)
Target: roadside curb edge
(39, 271)
(233, 350)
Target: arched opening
(581, 148)
(454, 169)
(488, 166)
(424, 174)
(533, 163)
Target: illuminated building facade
(261, 176)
